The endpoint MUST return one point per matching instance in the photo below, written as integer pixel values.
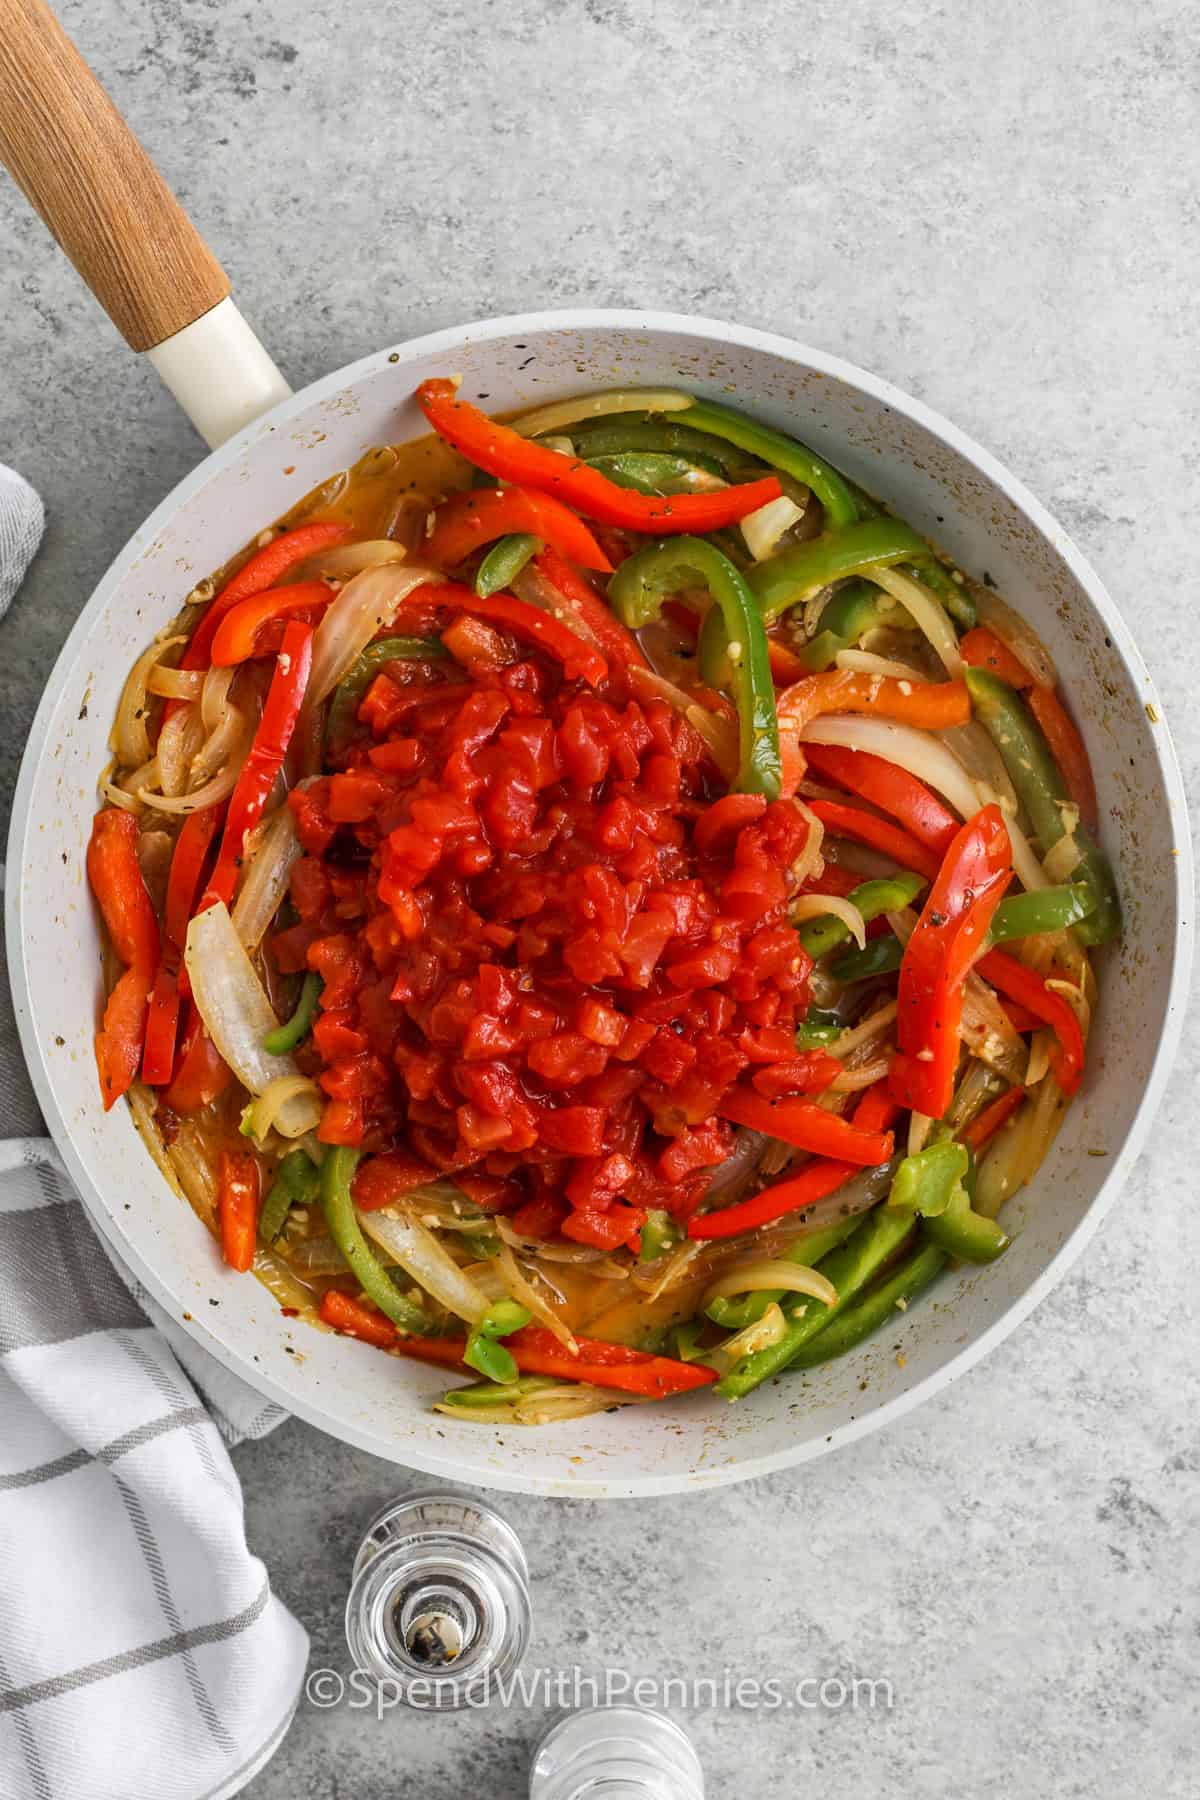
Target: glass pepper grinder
(439, 1604)
(616, 1753)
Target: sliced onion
(820, 906)
(229, 742)
(1064, 856)
(852, 1081)
(522, 1290)
(1029, 870)
(420, 1255)
(114, 795)
(719, 734)
(340, 561)
(265, 877)
(317, 1256)
(1039, 1058)
(179, 743)
(809, 862)
(979, 756)
(790, 1277)
(280, 1281)
(214, 696)
(760, 1334)
(238, 1015)
(560, 413)
(865, 663)
(130, 738)
(564, 1253)
(676, 1265)
(366, 604)
(268, 1111)
(919, 1126)
(219, 788)
(763, 529)
(738, 1166)
(866, 1033)
(175, 684)
(927, 612)
(920, 752)
(1017, 634)
(988, 1031)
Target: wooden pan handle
(82, 168)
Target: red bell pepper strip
(187, 871)
(891, 789)
(808, 1126)
(937, 958)
(504, 453)
(263, 570)
(614, 639)
(358, 1320)
(987, 1123)
(201, 1073)
(1020, 1017)
(238, 636)
(1067, 748)
(576, 655)
(536, 1350)
(876, 1111)
(1017, 981)
(880, 834)
(466, 522)
(162, 1023)
(116, 880)
(265, 759)
(982, 649)
(237, 1207)
(815, 1180)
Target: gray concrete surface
(995, 207)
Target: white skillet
(144, 260)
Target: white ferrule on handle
(220, 374)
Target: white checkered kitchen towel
(142, 1653)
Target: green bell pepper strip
(648, 473)
(337, 1172)
(870, 1245)
(484, 1353)
(1046, 909)
(1021, 915)
(637, 592)
(932, 1183)
(293, 1031)
(350, 690)
(875, 1308)
(735, 1314)
(781, 452)
(954, 595)
(1043, 793)
(487, 1393)
(795, 574)
(893, 894)
(687, 1341)
(882, 956)
(658, 1234)
(846, 617)
(297, 1183)
(817, 1028)
(504, 562)
(621, 434)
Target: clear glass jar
(616, 1753)
(439, 1604)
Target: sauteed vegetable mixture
(596, 902)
